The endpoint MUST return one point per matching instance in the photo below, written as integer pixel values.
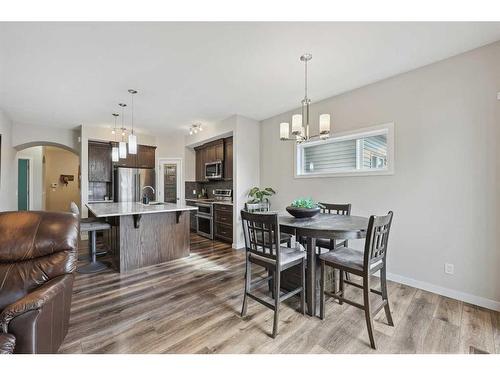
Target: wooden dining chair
(363, 264)
(285, 238)
(333, 209)
(262, 244)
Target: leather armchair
(7, 343)
(38, 256)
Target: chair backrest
(337, 209)
(377, 236)
(259, 207)
(73, 207)
(35, 247)
(262, 235)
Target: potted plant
(304, 208)
(259, 199)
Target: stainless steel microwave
(213, 171)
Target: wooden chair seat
(347, 258)
(288, 257)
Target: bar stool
(91, 226)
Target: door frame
(180, 177)
(30, 179)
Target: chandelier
(300, 122)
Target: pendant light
(132, 138)
(300, 122)
(122, 146)
(115, 156)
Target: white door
(170, 181)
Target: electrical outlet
(449, 268)
(498, 95)
(213, 192)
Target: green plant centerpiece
(259, 199)
(304, 208)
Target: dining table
(327, 226)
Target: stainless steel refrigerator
(129, 184)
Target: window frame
(387, 129)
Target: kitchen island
(144, 235)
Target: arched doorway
(48, 176)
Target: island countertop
(134, 208)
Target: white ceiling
(65, 74)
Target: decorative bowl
(303, 213)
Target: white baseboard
(238, 246)
(451, 293)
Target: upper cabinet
(212, 152)
(100, 167)
(228, 161)
(146, 156)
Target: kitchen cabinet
(214, 151)
(223, 222)
(200, 175)
(146, 156)
(99, 157)
(219, 150)
(228, 160)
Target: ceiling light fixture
(115, 156)
(132, 138)
(122, 146)
(195, 128)
(300, 122)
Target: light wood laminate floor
(192, 305)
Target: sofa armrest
(32, 301)
(7, 343)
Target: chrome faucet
(145, 198)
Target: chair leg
(341, 285)
(248, 275)
(270, 283)
(276, 302)
(303, 284)
(385, 296)
(322, 290)
(368, 315)
(347, 276)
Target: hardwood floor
(192, 305)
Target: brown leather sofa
(38, 255)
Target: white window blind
(361, 151)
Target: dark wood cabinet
(99, 156)
(219, 150)
(146, 156)
(228, 160)
(223, 222)
(200, 175)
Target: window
(363, 152)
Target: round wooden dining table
(328, 226)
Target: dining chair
(285, 238)
(333, 209)
(263, 248)
(364, 264)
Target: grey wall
(8, 174)
(445, 190)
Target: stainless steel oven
(213, 171)
(204, 220)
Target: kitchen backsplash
(209, 187)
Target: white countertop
(134, 208)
